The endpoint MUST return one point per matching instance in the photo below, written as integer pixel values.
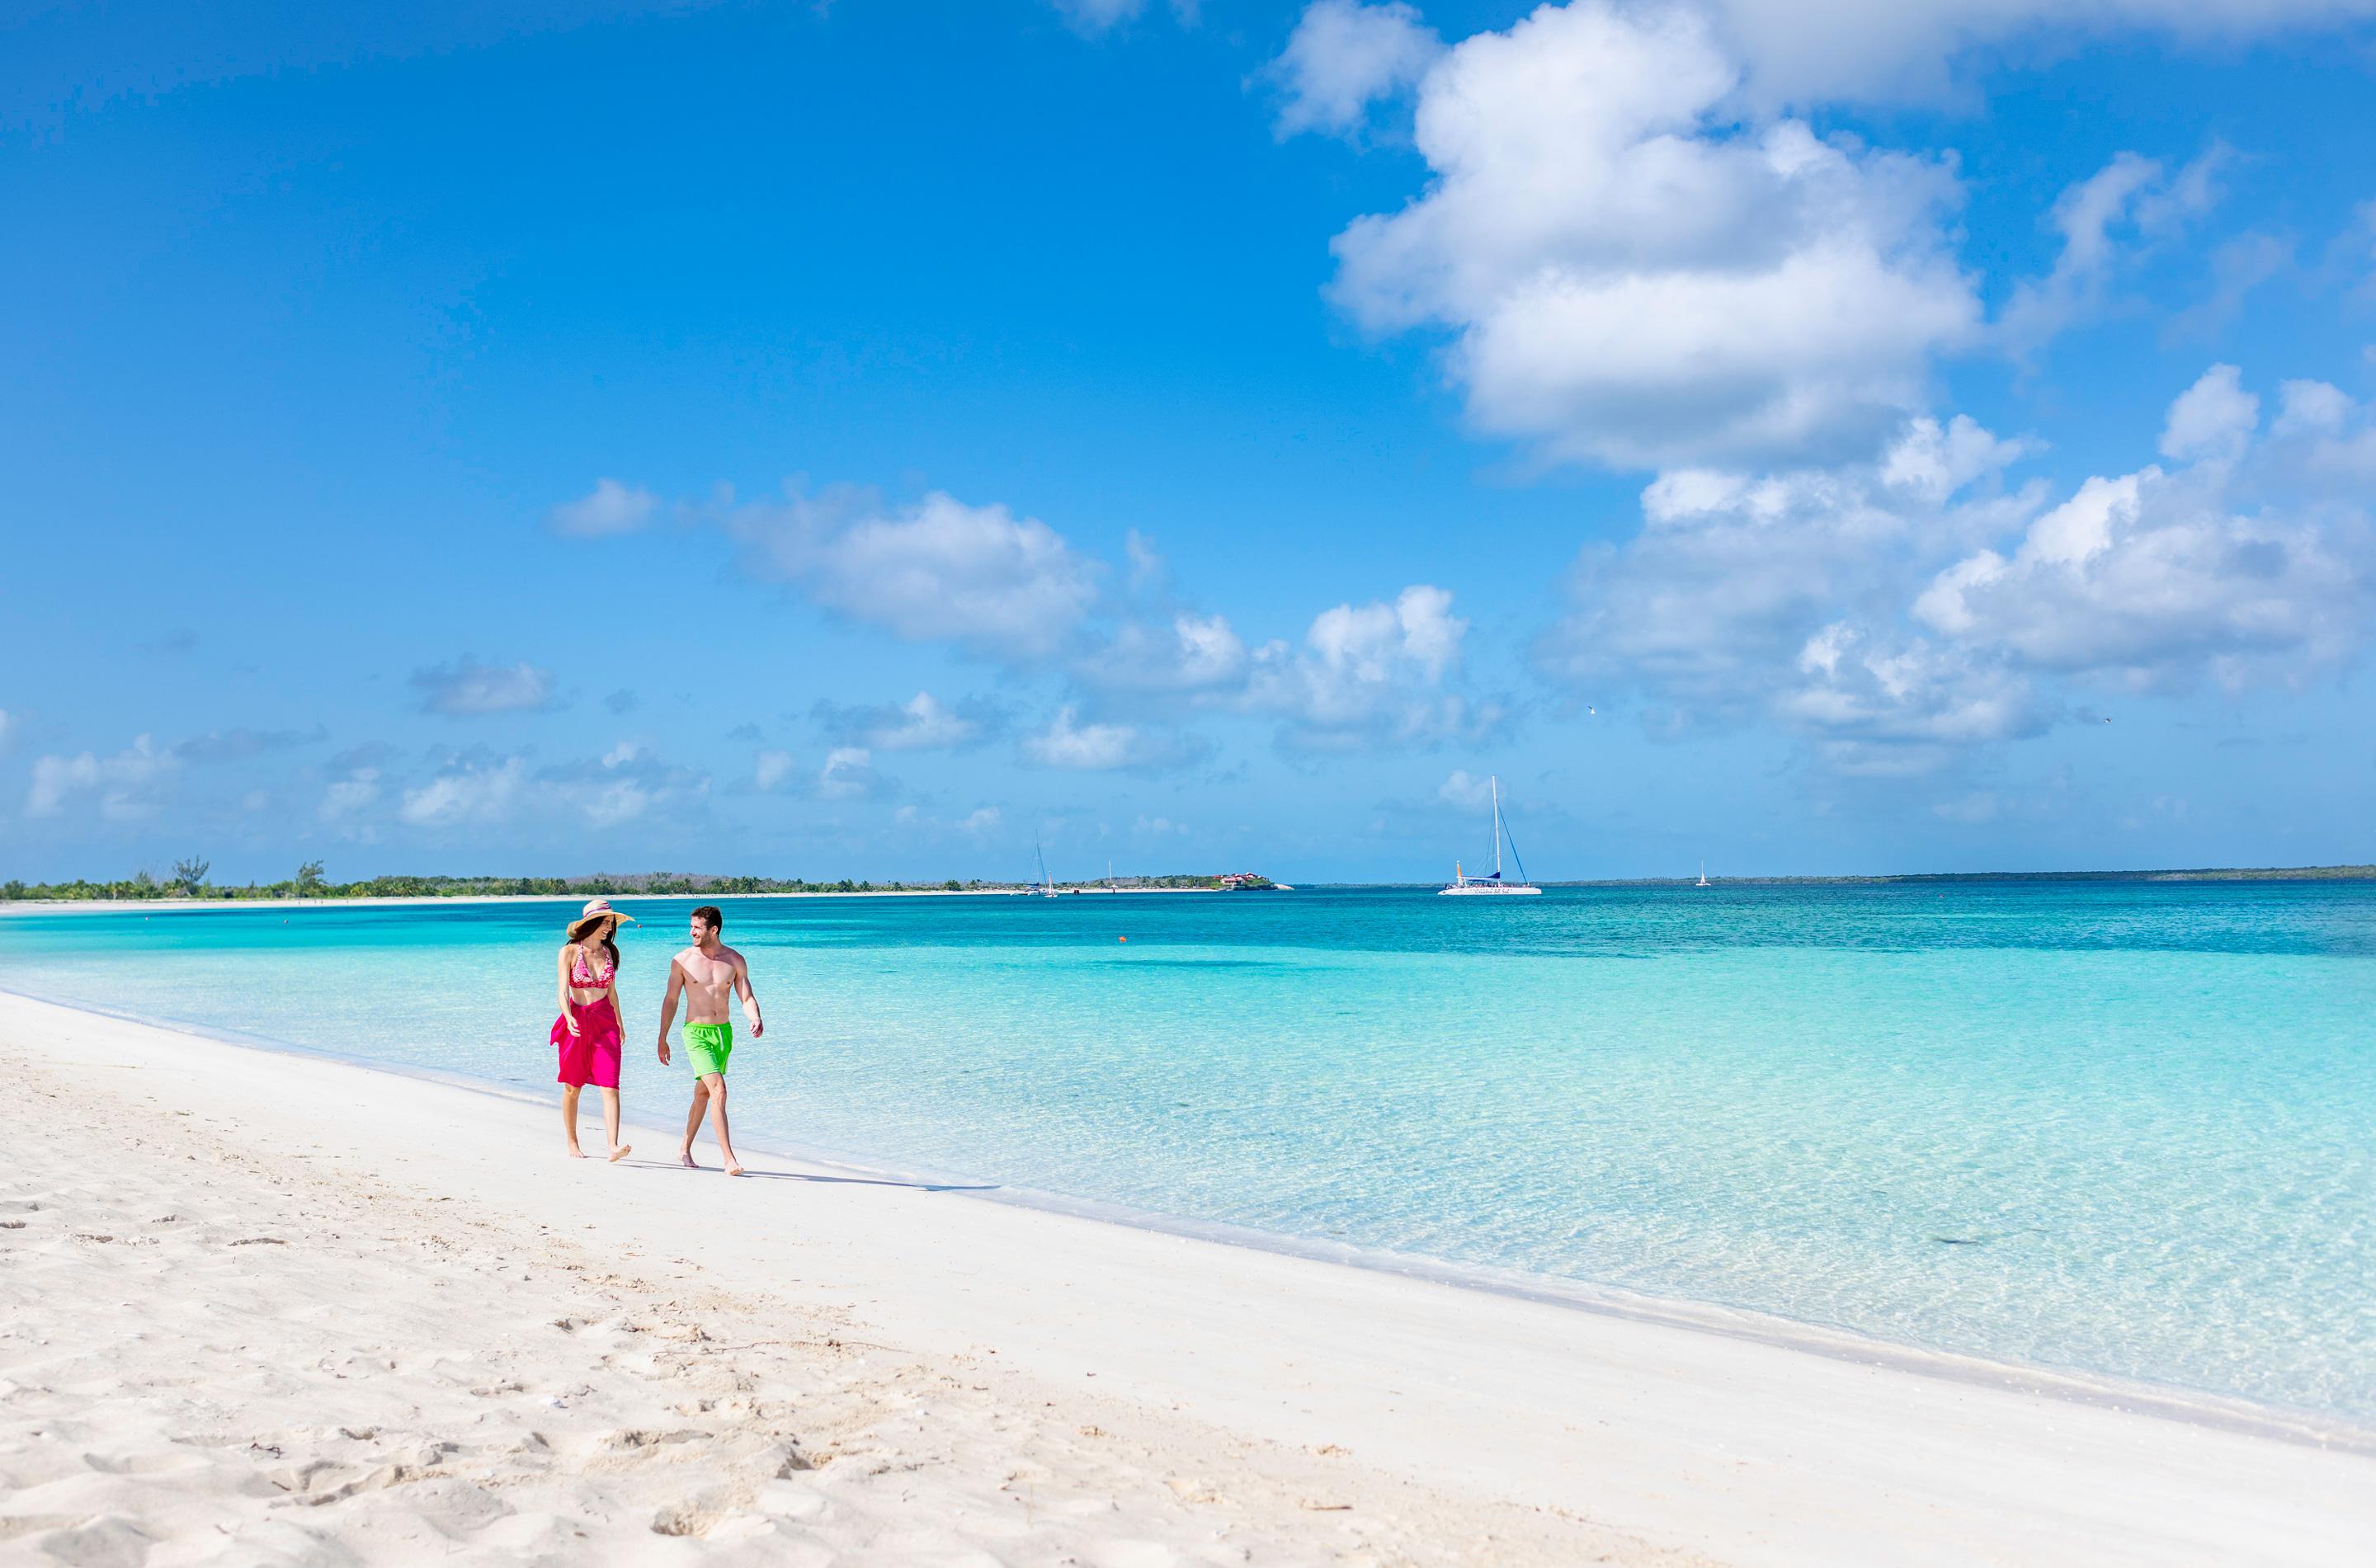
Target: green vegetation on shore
(189, 881)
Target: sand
(262, 1308)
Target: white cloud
(771, 769)
(1067, 743)
(1098, 16)
(2104, 220)
(1634, 278)
(1465, 789)
(922, 723)
(625, 784)
(1710, 608)
(471, 791)
(1902, 704)
(981, 820)
(125, 784)
(1003, 586)
(1190, 654)
(1371, 674)
(468, 688)
(1884, 49)
(2251, 565)
(609, 508)
(351, 797)
(2212, 420)
(849, 774)
(1345, 55)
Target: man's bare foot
(685, 1155)
(622, 1152)
(734, 1171)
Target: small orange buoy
(1121, 939)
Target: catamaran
(1464, 884)
(1703, 882)
(1046, 888)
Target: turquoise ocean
(2123, 1128)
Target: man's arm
(668, 1006)
(750, 997)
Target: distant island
(189, 881)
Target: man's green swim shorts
(707, 1046)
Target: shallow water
(2124, 1127)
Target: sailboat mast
(1497, 827)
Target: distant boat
(1703, 882)
(1464, 884)
(1046, 888)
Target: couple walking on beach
(591, 1028)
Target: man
(706, 974)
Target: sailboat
(1464, 884)
(1046, 888)
(1703, 882)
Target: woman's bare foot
(734, 1171)
(576, 1152)
(622, 1152)
(686, 1156)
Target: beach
(268, 1307)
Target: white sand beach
(264, 1308)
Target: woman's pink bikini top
(580, 977)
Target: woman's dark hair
(609, 946)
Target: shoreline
(184, 906)
(2170, 1402)
(1226, 1363)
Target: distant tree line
(189, 879)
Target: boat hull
(1487, 890)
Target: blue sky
(867, 440)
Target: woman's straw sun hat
(596, 909)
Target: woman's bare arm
(568, 1015)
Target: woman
(590, 1026)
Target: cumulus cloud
(125, 784)
(1092, 17)
(467, 688)
(771, 769)
(609, 508)
(1371, 674)
(239, 746)
(1094, 747)
(472, 790)
(1878, 705)
(2212, 420)
(921, 723)
(1633, 276)
(1003, 586)
(1466, 790)
(625, 784)
(1185, 654)
(1709, 610)
(1343, 57)
(1880, 49)
(2105, 220)
(2249, 564)
(850, 774)
(352, 797)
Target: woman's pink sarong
(591, 1055)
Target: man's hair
(710, 915)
